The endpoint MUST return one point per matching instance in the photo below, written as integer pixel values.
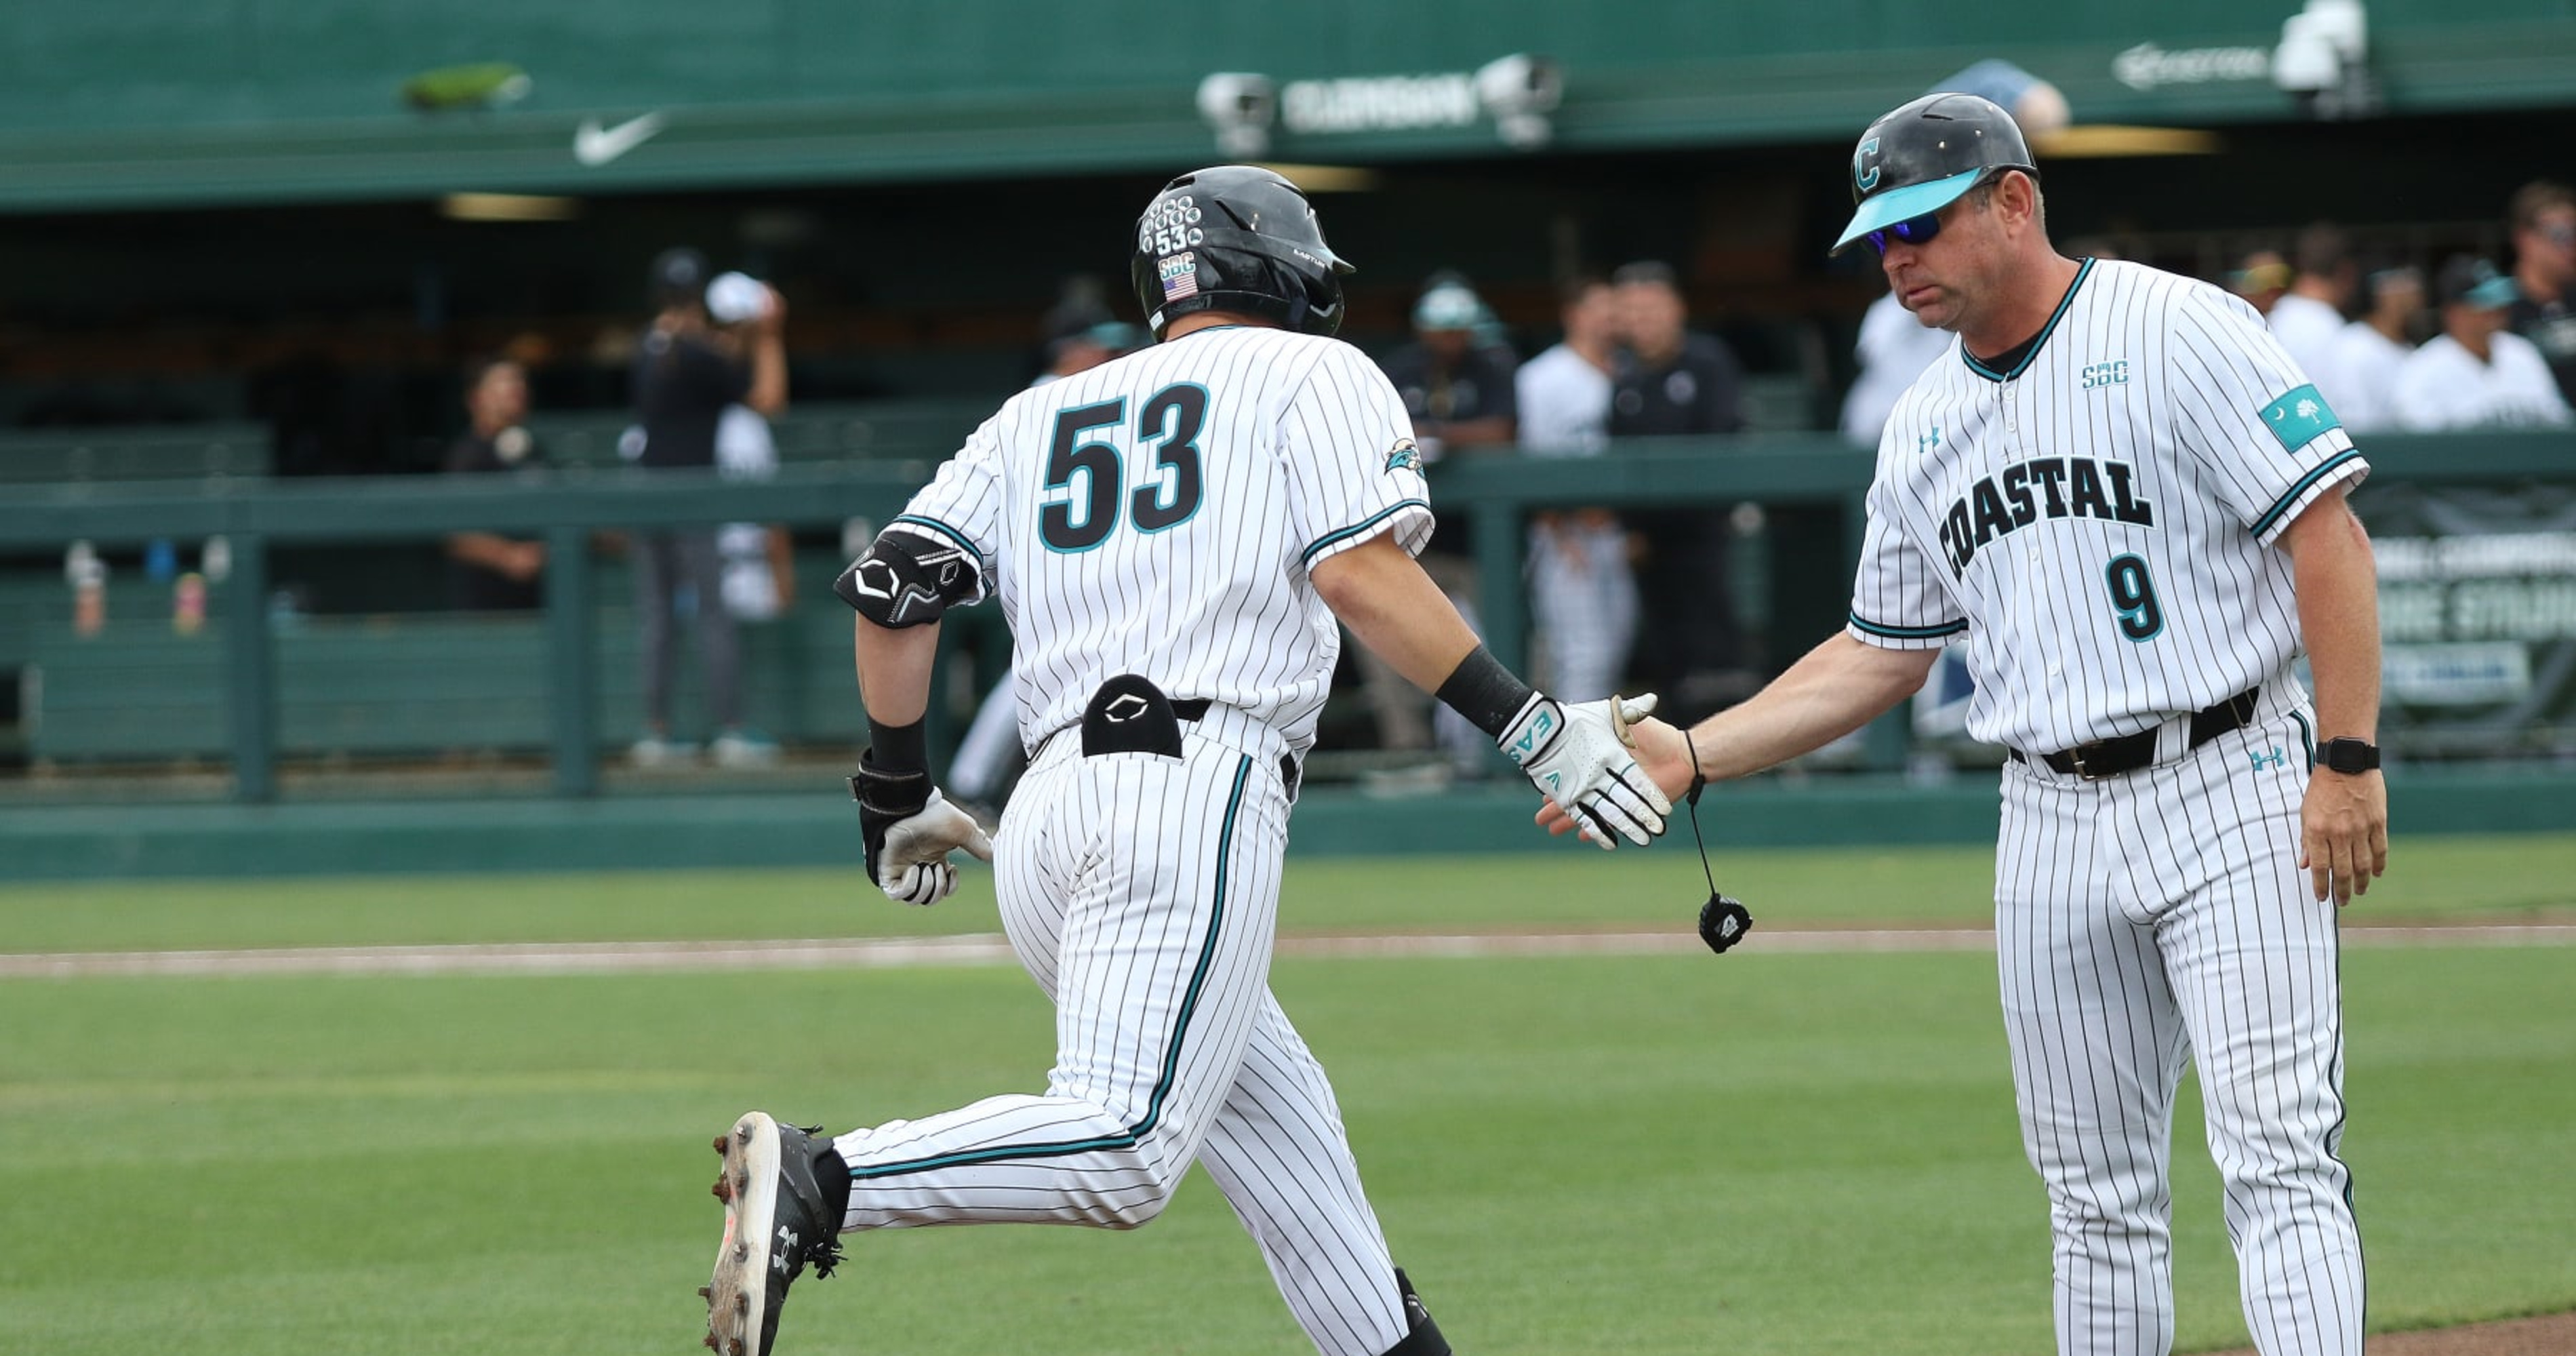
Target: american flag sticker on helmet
(1180, 274)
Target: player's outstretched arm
(2343, 824)
(1837, 688)
(1575, 754)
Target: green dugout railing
(565, 507)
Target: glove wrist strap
(898, 749)
(1487, 694)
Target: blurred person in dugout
(1673, 383)
(486, 571)
(1893, 349)
(687, 371)
(2476, 374)
(759, 560)
(1582, 585)
(2262, 278)
(1457, 384)
(2369, 351)
(1081, 335)
(2543, 220)
(2308, 318)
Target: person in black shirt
(2543, 218)
(686, 372)
(1463, 400)
(1671, 382)
(488, 572)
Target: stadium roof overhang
(483, 143)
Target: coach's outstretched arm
(2343, 824)
(1573, 754)
(1840, 686)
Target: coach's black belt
(1194, 708)
(2113, 757)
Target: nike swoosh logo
(594, 145)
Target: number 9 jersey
(1158, 515)
(2094, 515)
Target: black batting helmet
(1236, 238)
(1919, 158)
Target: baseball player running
(1172, 536)
(2128, 505)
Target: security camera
(1520, 90)
(2323, 59)
(1240, 106)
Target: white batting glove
(1578, 756)
(913, 866)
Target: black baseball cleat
(785, 1192)
(1422, 1336)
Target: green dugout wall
(166, 102)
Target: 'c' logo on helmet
(1865, 175)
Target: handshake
(1582, 759)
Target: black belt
(2127, 753)
(1127, 715)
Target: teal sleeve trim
(1909, 632)
(2263, 525)
(1329, 539)
(943, 529)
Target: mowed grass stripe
(1636, 1154)
(542, 958)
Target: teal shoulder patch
(2299, 418)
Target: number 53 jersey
(2095, 517)
(1159, 514)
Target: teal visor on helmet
(1924, 156)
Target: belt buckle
(2076, 756)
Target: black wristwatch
(2349, 756)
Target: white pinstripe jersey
(1158, 514)
(2097, 523)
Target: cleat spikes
(708, 1293)
(741, 1303)
(720, 1144)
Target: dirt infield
(2548, 1335)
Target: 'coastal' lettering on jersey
(2050, 487)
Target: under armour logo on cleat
(786, 1248)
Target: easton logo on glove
(1537, 726)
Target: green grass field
(1773, 1153)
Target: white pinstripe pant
(1141, 893)
(2156, 919)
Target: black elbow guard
(902, 580)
